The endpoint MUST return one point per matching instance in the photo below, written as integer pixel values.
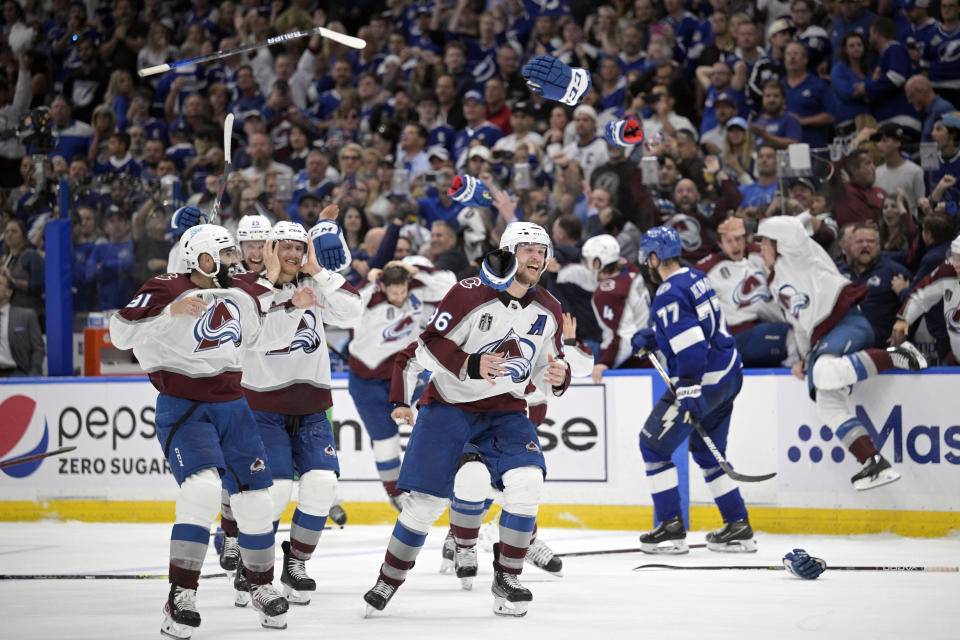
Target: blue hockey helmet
(663, 241)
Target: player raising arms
(188, 332)
(833, 337)
(393, 314)
(485, 346)
(690, 331)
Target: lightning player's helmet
(290, 231)
(518, 233)
(663, 241)
(600, 251)
(207, 239)
(253, 228)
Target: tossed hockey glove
(470, 191)
(801, 564)
(185, 218)
(622, 133)
(555, 80)
(644, 340)
(498, 269)
(330, 246)
(690, 399)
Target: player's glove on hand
(184, 218)
(623, 132)
(690, 399)
(330, 246)
(801, 564)
(470, 191)
(554, 80)
(498, 269)
(644, 340)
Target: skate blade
(273, 622)
(503, 607)
(296, 597)
(446, 566)
(671, 547)
(736, 546)
(171, 629)
(558, 573)
(466, 583)
(241, 598)
(884, 477)
(370, 611)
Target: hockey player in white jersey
(941, 285)
(188, 332)
(621, 303)
(485, 345)
(833, 338)
(252, 232)
(754, 318)
(393, 315)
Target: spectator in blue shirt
(761, 193)
(775, 126)
(808, 97)
(928, 104)
(70, 137)
(110, 265)
(946, 133)
(249, 97)
(847, 80)
(885, 85)
(438, 205)
(853, 17)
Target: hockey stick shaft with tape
(36, 456)
(781, 568)
(606, 552)
(707, 440)
(342, 38)
(97, 576)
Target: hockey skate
(241, 588)
(229, 554)
(270, 605)
(510, 598)
(297, 585)
(670, 536)
(448, 550)
(541, 556)
(734, 537)
(180, 615)
(465, 566)
(907, 356)
(876, 472)
(378, 597)
(338, 515)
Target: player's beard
(524, 278)
(224, 276)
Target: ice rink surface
(598, 595)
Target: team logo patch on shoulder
(257, 466)
(330, 451)
(662, 289)
(486, 320)
(532, 446)
(607, 285)
(873, 281)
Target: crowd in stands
(720, 86)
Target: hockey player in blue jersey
(690, 331)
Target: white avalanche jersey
(475, 319)
(806, 282)
(742, 289)
(199, 358)
(295, 378)
(386, 329)
(943, 285)
(622, 307)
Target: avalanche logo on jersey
(399, 329)
(305, 338)
(519, 353)
(218, 325)
(688, 228)
(953, 320)
(750, 290)
(792, 300)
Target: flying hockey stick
(336, 36)
(739, 477)
(781, 568)
(36, 456)
(604, 552)
(97, 576)
(227, 143)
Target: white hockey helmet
(285, 230)
(518, 233)
(599, 251)
(253, 227)
(207, 239)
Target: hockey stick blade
(604, 552)
(227, 144)
(348, 41)
(36, 456)
(97, 576)
(781, 568)
(707, 440)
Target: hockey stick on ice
(227, 144)
(97, 576)
(604, 552)
(36, 456)
(739, 477)
(336, 36)
(781, 568)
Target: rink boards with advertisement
(595, 472)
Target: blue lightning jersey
(691, 330)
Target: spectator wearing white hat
(588, 150)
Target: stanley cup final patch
(486, 320)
